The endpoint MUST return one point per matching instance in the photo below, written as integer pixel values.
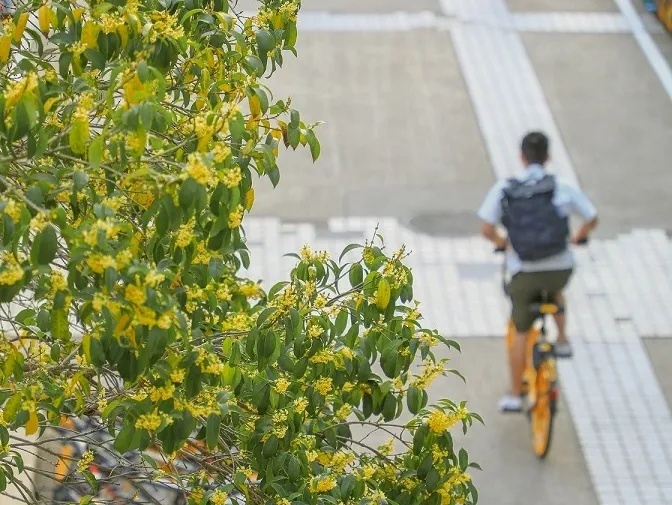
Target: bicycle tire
(542, 414)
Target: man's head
(534, 149)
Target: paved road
(404, 139)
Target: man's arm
(490, 214)
(584, 232)
(582, 206)
(490, 232)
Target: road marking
(648, 46)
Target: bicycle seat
(546, 308)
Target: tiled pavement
(621, 287)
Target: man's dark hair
(535, 148)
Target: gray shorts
(527, 288)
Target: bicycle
(540, 378)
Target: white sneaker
(510, 403)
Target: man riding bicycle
(534, 207)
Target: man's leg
(557, 283)
(517, 362)
(561, 319)
(523, 292)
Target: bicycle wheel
(543, 412)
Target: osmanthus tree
(131, 134)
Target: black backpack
(536, 228)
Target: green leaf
(254, 65)
(212, 431)
(12, 407)
(347, 249)
(3, 479)
(80, 179)
(356, 275)
(389, 407)
(265, 40)
(314, 144)
(463, 459)
(425, 466)
(274, 175)
(91, 480)
(432, 480)
(96, 151)
(96, 58)
(124, 438)
(143, 71)
(60, 326)
(188, 192)
(414, 399)
(341, 322)
(265, 315)
(237, 127)
(293, 468)
(270, 447)
(44, 247)
(292, 35)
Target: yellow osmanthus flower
(85, 461)
(13, 210)
(343, 412)
(110, 23)
(387, 448)
(223, 293)
(39, 222)
(163, 393)
(220, 152)
(12, 273)
(241, 321)
(323, 485)
(218, 497)
(320, 301)
(153, 278)
(281, 385)
(286, 299)
(165, 26)
(367, 472)
(250, 290)
(17, 89)
(439, 422)
(178, 375)
(236, 217)
(185, 235)
(198, 170)
(99, 262)
(340, 460)
(431, 372)
(323, 385)
(57, 281)
(231, 178)
(151, 422)
(315, 330)
(300, 405)
(111, 230)
(124, 258)
(323, 356)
